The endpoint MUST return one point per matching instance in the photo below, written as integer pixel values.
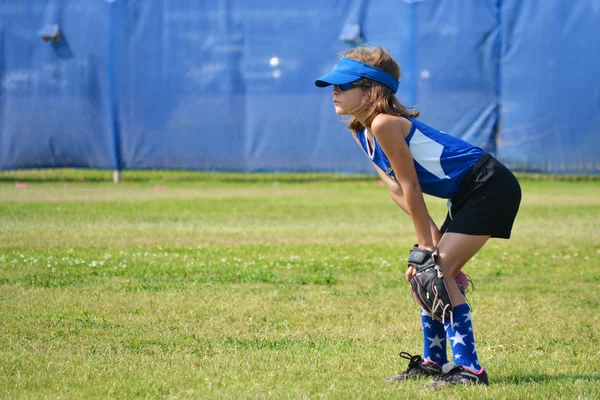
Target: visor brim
(335, 78)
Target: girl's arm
(395, 191)
(388, 130)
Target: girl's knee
(449, 268)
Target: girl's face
(346, 101)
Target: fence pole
(113, 100)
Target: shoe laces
(414, 361)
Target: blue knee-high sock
(462, 339)
(434, 339)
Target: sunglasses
(347, 86)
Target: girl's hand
(410, 272)
(436, 236)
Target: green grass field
(194, 285)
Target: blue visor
(349, 70)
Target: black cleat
(417, 368)
(454, 374)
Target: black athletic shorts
(486, 201)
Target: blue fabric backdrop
(228, 84)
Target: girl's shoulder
(392, 122)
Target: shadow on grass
(540, 378)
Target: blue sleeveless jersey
(441, 160)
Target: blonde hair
(378, 98)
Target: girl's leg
(434, 340)
(455, 250)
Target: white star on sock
(457, 357)
(436, 341)
(468, 317)
(427, 325)
(458, 338)
(424, 313)
(470, 329)
(472, 367)
(456, 324)
(438, 355)
(473, 343)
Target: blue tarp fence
(228, 84)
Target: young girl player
(413, 158)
